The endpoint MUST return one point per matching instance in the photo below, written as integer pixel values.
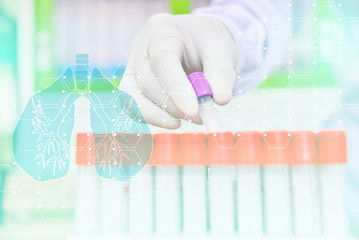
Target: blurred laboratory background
(315, 88)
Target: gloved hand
(162, 55)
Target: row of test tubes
(247, 184)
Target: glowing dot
(64, 77)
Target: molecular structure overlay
(122, 138)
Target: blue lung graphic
(123, 142)
(41, 141)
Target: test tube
(222, 211)
(220, 150)
(276, 177)
(114, 194)
(88, 202)
(167, 186)
(305, 190)
(332, 158)
(206, 110)
(142, 192)
(192, 150)
(249, 158)
(114, 208)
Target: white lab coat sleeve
(252, 25)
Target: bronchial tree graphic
(53, 150)
(41, 140)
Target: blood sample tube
(167, 186)
(332, 158)
(141, 196)
(88, 202)
(206, 110)
(276, 177)
(249, 158)
(192, 150)
(222, 214)
(305, 191)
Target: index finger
(165, 58)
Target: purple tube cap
(200, 85)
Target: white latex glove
(162, 55)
